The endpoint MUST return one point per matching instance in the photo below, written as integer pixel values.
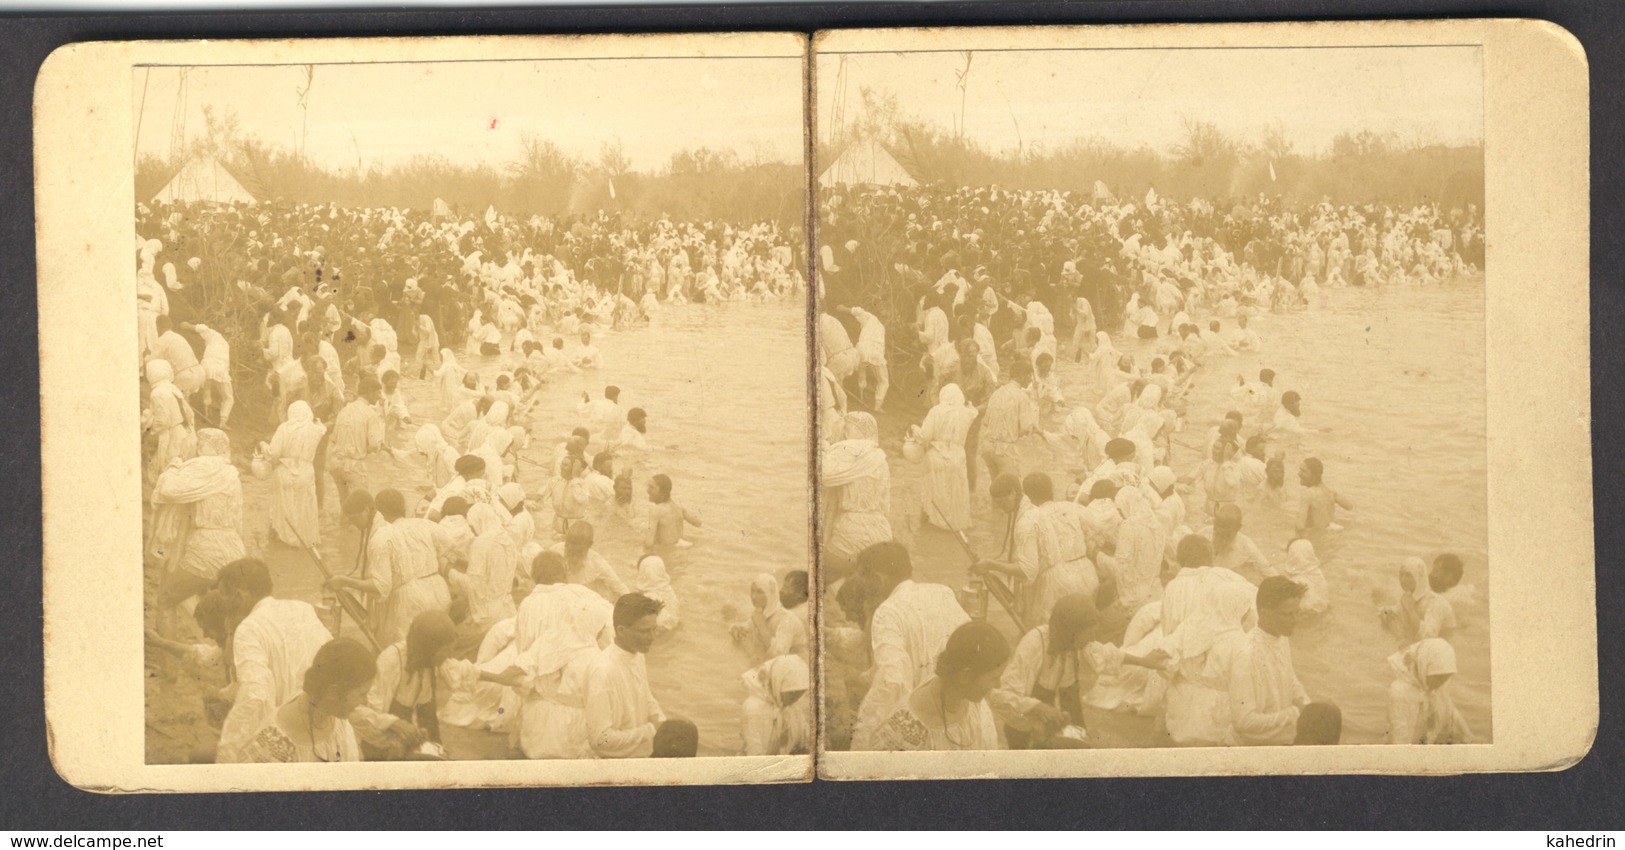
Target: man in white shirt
(1266, 698)
(871, 349)
(217, 386)
(910, 626)
(621, 713)
(271, 650)
(604, 416)
(586, 354)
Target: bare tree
(1205, 145)
(1275, 144)
(612, 158)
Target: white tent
(204, 180)
(866, 163)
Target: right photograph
(1152, 398)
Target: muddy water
(1393, 388)
(725, 389)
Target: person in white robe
(272, 648)
(909, 628)
(1054, 665)
(169, 417)
(621, 713)
(494, 419)
(775, 719)
(1420, 709)
(604, 417)
(218, 391)
(1046, 552)
(871, 347)
(558, 631)
(652, 580)
(771, 630)
(857, 479)
(1206, 613)
(292, 450)
(403, 563)
(315, 724)
(438, 454)
(492, 560)
(950, 711)
(1141, 546)
(942, 436)
(199, 512)
(1302, 565)
(416, 679)
(1266, 698)
(449, 376)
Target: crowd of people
(478, 599)
(1124, 584)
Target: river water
(1393, 389)
(725, 389)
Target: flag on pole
(612, 188)
(1272, 171)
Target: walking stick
(345, 600)
(988, 585)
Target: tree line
(542, 179)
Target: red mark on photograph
(493, 124)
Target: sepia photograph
(1152, 397)
(472, 409)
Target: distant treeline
(695, 185)
(1359, 168)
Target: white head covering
(299, 413)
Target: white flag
(612, 188)
(1272, 171)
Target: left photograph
(473, 409)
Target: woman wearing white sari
(169, 416)
(947, 492)
(1420, 710)
(856, 474)
(293, 503)
(775, 719)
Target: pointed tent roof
(204, 180)
(866, 162)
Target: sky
(1134, 97)
(473, 112)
